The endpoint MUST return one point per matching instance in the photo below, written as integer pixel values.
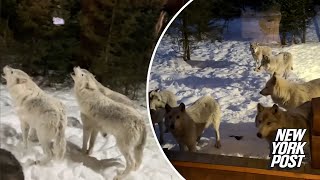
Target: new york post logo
(287, 149)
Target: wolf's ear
(182, 107)
(274, 78)
(168, 108)
(275, 109)
(260, 107)
(274, 74)
(21, 80)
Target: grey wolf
(39, 111)
(187, 125)
(290, 94)
(157, 117)
(281, 63)
(123, 122)
(258, 51)
(157, 101)
(270, 119)
(89, 132)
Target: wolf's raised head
(83, 80)
(15, 76)
(175, 116)
(270, 86)
(269, 120)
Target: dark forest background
(114, 39)
(204, 19)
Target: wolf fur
(123, 122)
(273, 118)
(10, 167)
(281, 64)
(157, 117)
(290, 94)
(258, 51)
(89, 132)
(157, 101)
(37, 110)
(187, 125)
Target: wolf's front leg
(93, 137)
(160, 124)
(86, 135)
(33, 135)
(25, 131)
(86, 132)
(183, 147)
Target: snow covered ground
(102, 164)
(225, 70)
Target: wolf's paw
(118, 177)
(135, 167)
(217, 145)
(88, 152)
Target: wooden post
(315, 134)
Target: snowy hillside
(226, 70)
(77, 166)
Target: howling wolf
(39, 111)
(123, 122)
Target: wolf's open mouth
(3, 75)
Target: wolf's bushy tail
(60, 140)
(138, 152)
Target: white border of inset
(148, 78)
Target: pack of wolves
(291, 109)
(101, 110)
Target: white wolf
(37, 110)
(157, 101)
(289, 94)
(123, 122)
(89, 132)
(258, 51)
(187, 125)
(281, 63)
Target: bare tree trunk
(110, 31)
(283, 38)
(303, 39)
(160, 24)
(186, 43)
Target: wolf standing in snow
(270, 119)
(289, 94)
(281, 64)
(37, 110)
(258, 51)
(187, 125)
(89, 132)
(123, 122)
(157, 101)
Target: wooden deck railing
(315, 134)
